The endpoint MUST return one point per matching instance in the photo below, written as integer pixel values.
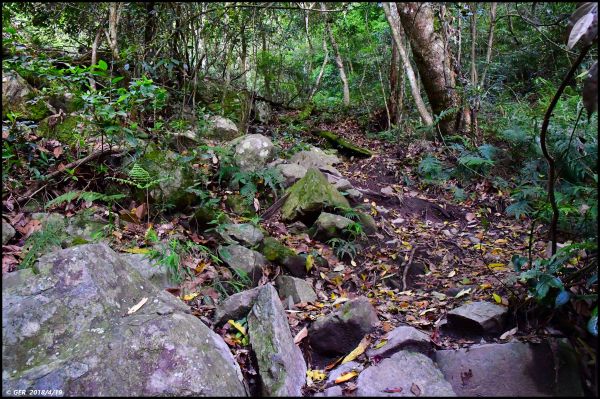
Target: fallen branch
(35, 188)
(274, 208)
(407, 268)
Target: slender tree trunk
(318, 81)
(490, 45)
(264, 67)
(338, 59)
(433, 63)
(391, 13)
(150, 28)
(95, 45)
(474, 77)
(394, 84)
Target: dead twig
(274, 208)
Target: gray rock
(281, 367)
(298, 289)
(253, 152)
(292, 172)
(222, 129)
(403, 338)
(245, 234)
(354, 194)
(68, 328)
(329, 225)
(242, 258)
(263, 111)
(342, 184)
(297, 228)
(343, 369)
(341, 331)
(368, 223)
(8, 232)
(155, 272)
(236, 306)
(389, 191)
(314, 158)
(478, 317)
(335, 390)
(403, 374)
(512, 369)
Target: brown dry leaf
(140, 211)
(393, 390)
(9, 262)
(301, 335)
(57, 152)
(346, 377)
(30, 227)
(415, 389)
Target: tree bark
(393, 18)
(394, 84)
(114, 15)
(95, 45)
(338, 58)
(474, 77)
(490, 45)
(433, 63)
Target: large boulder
(405, 338)
(155, 272)
(296, 288)
(243, 259)
(291, 172)
(512, 369)
(478, 318)
(73, 327)
(19, 97)
(339, 332)
(236, 306)
(404, 374)
(253, 152)
(314, 158)
(222, 129)
(329, 225)
(281, 366)
(309, 196)
(244, 233)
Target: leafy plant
(85, 196)
(430, 169)
(41, 241)
(343, 248)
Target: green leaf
(102, 65)
(117, 79)
(592, 325)
(562, 298)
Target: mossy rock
(62, 132)
(200, 220)
(344, 145)
(278, 253)
(239, 206)
(309, 196)
(180, 176)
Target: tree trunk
(394, 84)
(393, 18)
(95, 45)
(150, 28)
(318, 81)
(474, 77)
(488, 56)
(338, 58)
(433, 63)
(114, 15)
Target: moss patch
(343, 145)
(311, 195)
(62, 132)
(275, 251)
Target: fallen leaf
(346, 377)
(137, 250)
(392, 390)
(509, 333)
(237, 326)
(380, 344)
(452, 274)
(140, 211)
(415, 389)
(310, 261)
(316, 375)
(470, 216)
(189, 297)
(301, 335)
(138, 306)
(463, 292)
(359, 350)
(497, 297)
(256, 205)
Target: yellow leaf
(498, 266)
(463, 292)
(316, 375)
(500, 241)
(310, 261)
(497, 297)
(452, 273)
(485, 286)
(189, 297)
(237, 326)
(137, 250)
(138, 306)
(382, 343)
(346, 377)
(359, 350)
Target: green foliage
(139, 178)
(51, 235)
(343, 248)
(85, 196)
(430, 169)
(251, 182)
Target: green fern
(86, 196)
(41, 241)
(140, 178)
